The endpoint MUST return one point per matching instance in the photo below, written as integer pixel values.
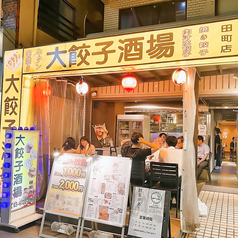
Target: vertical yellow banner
(27, 102)
(11, 96)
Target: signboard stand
(19, 178)
(82, 228)
(150, 213)
(107, 192)
(66, 189)
(48, 236)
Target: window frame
(151, 4)
(73, 8)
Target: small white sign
(224, 135)
(146, 218)
(202, 129)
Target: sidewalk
(32, 230)
(222, 219)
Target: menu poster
(107, 194)
(202, 130)
(147, 212)
(24, 169)
(67, 185)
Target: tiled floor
(222, 204)
(222, 219)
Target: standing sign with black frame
(149, 213)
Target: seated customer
(155, 156)
(85, 147)
(137, 154)
(172, 155)
(180, 143)
(135, 151)
(163, 136)
(158, 141)
(69, 146)
(203, 156)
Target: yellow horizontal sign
(196, 42)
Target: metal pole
(84, 114)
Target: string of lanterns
(129, 82)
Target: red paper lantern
(129, 82)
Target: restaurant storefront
(186, 47)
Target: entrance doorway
(224, 116)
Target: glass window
(67, 10)
(226, 7)
(57, 18)
(158, 13)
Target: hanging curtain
(66, 108)
(42, 123)
(58, 111)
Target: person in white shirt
(172, 155)
(203, 156)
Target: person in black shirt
(232, 149)
(217, 148)
(138, 155)
(135, 151)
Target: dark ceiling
(225, 104)
(100, 80)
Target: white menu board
(67, 185)
(147, 212)
(107, 193)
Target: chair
(208, 167)
(138, 173)
(138, 177)
(113, 150)
(167, 176)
